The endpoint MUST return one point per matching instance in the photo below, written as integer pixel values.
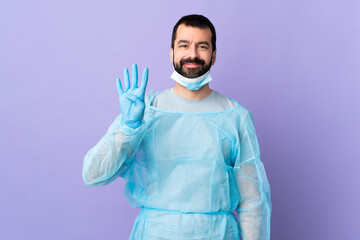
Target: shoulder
(239, 109)
(163, 94)
(219, 95)
(150, 95)
(154, 97)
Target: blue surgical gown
(187, 172)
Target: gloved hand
(131, 99)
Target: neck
(183, 92)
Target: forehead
(192, 34)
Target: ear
(171, 54)
(213, 57)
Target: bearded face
(192, 68)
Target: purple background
(294, 64)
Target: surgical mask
(192, 83)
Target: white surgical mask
(192, 83)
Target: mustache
(192, 60)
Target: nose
(193, 53)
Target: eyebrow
(183, 41)
(186, 41)
(204, 42)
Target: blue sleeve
(254, 207)
(110, 156)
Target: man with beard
(189, 155)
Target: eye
(183, 46)
(204, 47)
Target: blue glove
(131, 99)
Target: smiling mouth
(192, 65)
